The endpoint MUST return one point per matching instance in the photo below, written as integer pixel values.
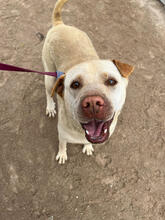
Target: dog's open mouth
(96, 131)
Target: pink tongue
(94, 128)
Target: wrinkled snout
(94, 107)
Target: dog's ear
(124, 69)
(59, 86)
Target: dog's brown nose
(93, 107)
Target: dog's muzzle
(96, 111)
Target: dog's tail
(57, 19)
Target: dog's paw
(51, 109)
(88, 149)
(61, 157)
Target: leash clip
(59, 74)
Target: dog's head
(93, 93)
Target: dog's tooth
(87, 131)
(105, 131)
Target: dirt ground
(125, 178)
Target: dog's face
(93, 93)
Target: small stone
(152, 56)
(9, 209)
(148, 77)
(70, 186)
(108, 181)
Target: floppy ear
(58, 86)
(124, 69)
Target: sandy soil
(124, 179)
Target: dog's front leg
(62, 151)
(49, 83)
(88, 149)
(50, 108)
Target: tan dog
(92, 92)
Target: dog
(92, 92)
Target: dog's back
(66, 45)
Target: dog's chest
(73, 136)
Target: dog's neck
(65, 67)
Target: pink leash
(6, 67)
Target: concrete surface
(125, 179)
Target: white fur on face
(91, 74)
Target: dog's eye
(111, 82)
(75, 85)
